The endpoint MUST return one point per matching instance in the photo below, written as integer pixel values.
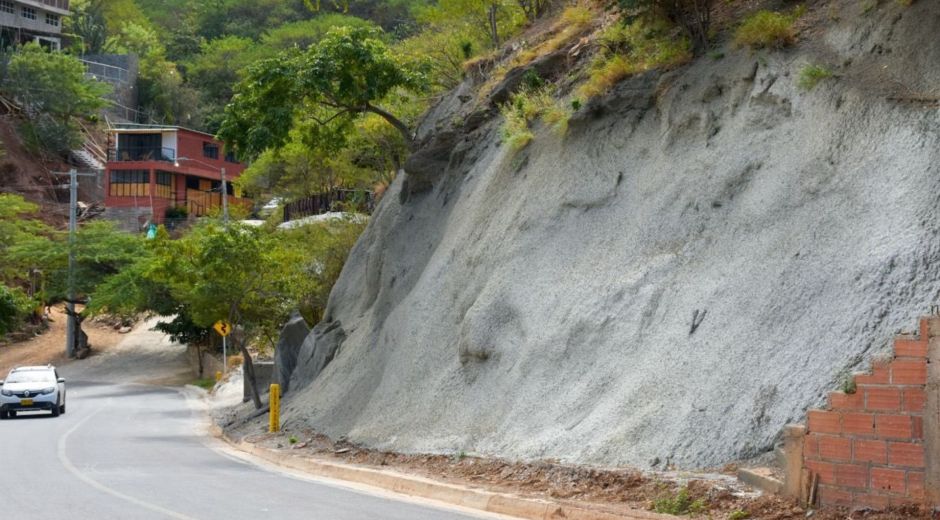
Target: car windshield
(31, 377)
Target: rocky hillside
(690, 267)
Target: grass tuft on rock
(768, 30)
(811, 75)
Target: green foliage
(847, 382)
(18, 224)
(292, 439)
(206, 383)
(739, 514)
(491, 22)
(630, 49)
(343, 76)
(305, 33)
(811, 75)
(767, 29)
(101, 250)
(249, 276)
(89, 25)
(693, 16)
(679, 504)
(527, 106)
(160, 88)
(15, 306)
(53, 88)
(245, 18)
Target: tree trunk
(249, 367)
(494, 33)
(397, 123)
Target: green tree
(492, 21)
(14, 307)
(19, 223)
(160, 87)
(249, 276)
(53, 88)
(693, 16)
(89, 25)
(101, 250)
(305, 33)
(345, 75)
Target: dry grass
(767, 29)
(527, 106)
(570, 25)
(632, 49)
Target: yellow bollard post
(218, 376)
(274, 403)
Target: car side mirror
(61, 380)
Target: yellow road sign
(223, 327)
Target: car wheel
(3, 415)
(62, 408)
(55, 410)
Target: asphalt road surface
(137, 452)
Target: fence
(340, 199)
(105, 72)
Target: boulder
(288, 346)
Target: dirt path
(140, 356)
(49, 347)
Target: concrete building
(155, 170)
(23, 21)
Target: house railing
(334, 200)
(58, 4)
(141, 153)
(105, 72)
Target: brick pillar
(870, 447)
(932, 416)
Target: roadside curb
(492, 502)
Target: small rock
(124, 330)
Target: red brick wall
(867, 448)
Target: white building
(23, 21)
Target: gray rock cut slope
(542, 303)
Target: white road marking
(63, 457)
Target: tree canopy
(347, 74)
(53, 88)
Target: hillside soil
(49, 346)
(602, 489)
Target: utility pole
(73, 208)
(73, 225)
(224, 199)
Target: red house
(153, 171)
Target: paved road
(132, 451)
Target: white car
(32, 388)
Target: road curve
(130, 451)
(126, 450)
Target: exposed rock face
(292, 336)
(685, 272)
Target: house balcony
(141, 153)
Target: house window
(29, 13)
(164, 185)
(210, 150)
(6, 6)
(230, 157)
(52, 19)
(130, 183)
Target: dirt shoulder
(617, 491)
(49, 347)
